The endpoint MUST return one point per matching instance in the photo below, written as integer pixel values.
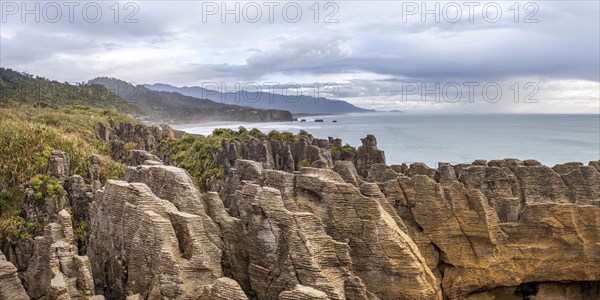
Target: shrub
(304, 163)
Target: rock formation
(55, 270)
(291, 155)
(143, 244)
(503, 229)
(368, 154)
(504, 223)
(10, 284)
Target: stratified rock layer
(10, 284)
(504, 223)
(505, 229)
(55, 270)
(157, 248)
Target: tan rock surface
(10, 284)
(55, 270)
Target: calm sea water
(454, 138)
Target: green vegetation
(25, 88)
(80, 235)
(45, 186)
(304, 163)
(347, 149)
(28, 134)
(284, 136)
(14, 228)
(194, 153)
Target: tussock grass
(28, 134)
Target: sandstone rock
(94, 172)
(59, 165)
(541, 184)
(224, 289)
(445, 174)
(10, 284)
(301, 292)
(368, 154)
(287, 249)
(507, 224)
(142, 244)
(595, 164)
(420, 169)
(235, 256)
(583, 185)
(80, 197)
(55, 270)
(400, 169)
(381, 173)
(348, 172)
(381, 252)
(141, 157)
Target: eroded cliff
(505, 229)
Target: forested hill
(25, 88)
(177, 107)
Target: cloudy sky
(542, 57)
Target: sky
(529, 57)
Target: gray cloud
(369, 51)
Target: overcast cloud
(371, 53)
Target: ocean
(452, 138)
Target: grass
(28, 134)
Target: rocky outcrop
(302, 151)
(368, 154)
(121, 133)
(10, 284)
(502, 223)
(59, 165)
(378, 251)
(142, 243)
(503, 229)
(278, 154)
(141, 157)
(55, 270)
(223, 289)
(287, 249)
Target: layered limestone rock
(153, 236)
(144, 137)
(502, 223)
(141, 157)
(277, 154)
(503, 229)
(291, 155)
(55, 270)
(287, 249)
(142, 244)
(368, 154)
(10, 284)
(379, 252)
(224, 289)
(303, 293)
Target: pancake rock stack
(353, 229)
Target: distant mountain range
(263, 100)
(165, 103)
(173, 106)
